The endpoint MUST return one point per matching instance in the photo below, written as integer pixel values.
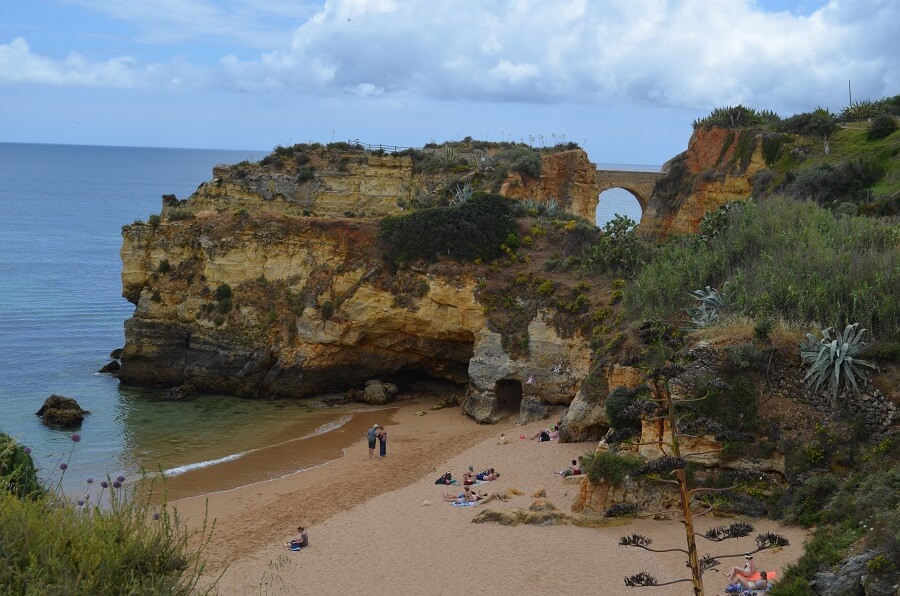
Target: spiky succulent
(640, 580)
(735, 530)
(833, 361)
(707, 312)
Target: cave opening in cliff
(509, 396)
(617, 201)
(418, 381)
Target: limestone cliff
(270, 280)
(719, 166)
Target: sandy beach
(381, 525)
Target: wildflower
(104, 484)
(76, 437)
(90, 481)
(27, 450)
(117, 484)
(155, 515)
(121, 479)
(63, 466)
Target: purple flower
(76, 437)
(155, 515)
(90, 481)
(63, 466)
(80, 503)
(117, 484)
(121, 479)
(104, 484)
(27, 450)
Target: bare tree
(673, 465)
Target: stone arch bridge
(639, 184)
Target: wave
(325, 428)
(205, 464)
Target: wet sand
(381, 525)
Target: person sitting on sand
(298, 543)
(746, 571)
(470, 477)
(503, 439)
(572, 470)
(447, 478)
(760, 584)
(547, 434)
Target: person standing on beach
(370, 437)
(382, 441)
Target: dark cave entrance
(419, 382)
(509, 397)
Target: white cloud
(684, 53)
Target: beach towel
(466, 504)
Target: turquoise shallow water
(61, 313)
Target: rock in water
(183, 392)
(61, 412)
(112, 367)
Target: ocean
(61, 314)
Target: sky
(623, 78)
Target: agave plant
(461, 194)
(834, 359)
(860, 110)
(707, 313)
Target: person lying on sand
(760, 584)
(467, 496)
(487, 475)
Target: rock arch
(639, 184)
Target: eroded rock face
(550, 375)
(307, 307)
(585, 419)
(61, 412)
(567, 176)
(718, 166)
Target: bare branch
(644, 580)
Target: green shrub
(609, 466)
(154, 220)
(327, 310)
(305, 173)
(828, 184)
(619, 250)
(810, 499)
(818, 123)
(473, 230)
(223, 292)
(761, 330)
(736, 117)
(18, 474)
(881, 127)
(164, 266)
(111, 541)
(617, 403)
(787, 259)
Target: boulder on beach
(59, 411)
(378, 393)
